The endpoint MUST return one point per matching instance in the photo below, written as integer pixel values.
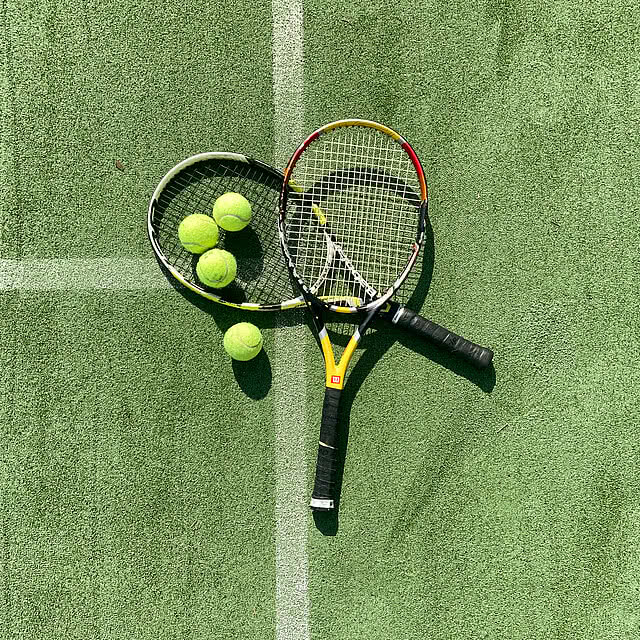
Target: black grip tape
(327, 462)
(478, 356)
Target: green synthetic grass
(138, 474)
(125, 494)
(509, 514)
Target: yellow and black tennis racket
(192, 186)
(263, 282)
(361, 207)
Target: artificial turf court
(152, 489)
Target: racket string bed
(261, 281)
(369, 220)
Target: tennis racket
(361, 205)
(262, 282)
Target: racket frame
(287, 190)
(323, 498)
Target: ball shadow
(254, 376)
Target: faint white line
(80, 274)
(7, 146)
(289, 375)
(288, 65)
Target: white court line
(289, 374)
(81, 274)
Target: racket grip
(322, 498)
(478, 356)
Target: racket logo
(335, 379)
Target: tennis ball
(198, 232)
(216, 268)
(243, 341)
(232, 211)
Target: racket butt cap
(321, 504)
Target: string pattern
(352, 228)
(262, 276)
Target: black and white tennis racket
(263, 282)
(360, 206)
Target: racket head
(192, 186)
(360, 184)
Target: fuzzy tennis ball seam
(232, 211)
(198, 233)
(216, 268)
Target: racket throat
(335, 373)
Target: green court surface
(151, 488)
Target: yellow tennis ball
(198, 232)
(243, 341)
(216, 268)
(232, 211)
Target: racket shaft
(478, 356)
(327, 462)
